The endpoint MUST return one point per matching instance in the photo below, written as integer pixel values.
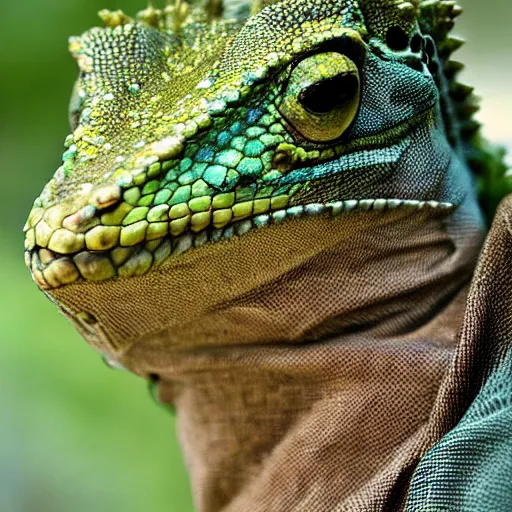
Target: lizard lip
(65, 257)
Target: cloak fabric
(347, 368)
(469, 468)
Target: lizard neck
(377, 298)
(253, 424)
(375, 273)
(265, 350)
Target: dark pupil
(329, 94)
(397, 39)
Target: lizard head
(188, 130)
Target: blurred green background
(75, 435)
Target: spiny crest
(178, 13)
(459, 105)
(172, 17)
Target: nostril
(416, 43)
(105, 196)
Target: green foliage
(74, 435)
(494, 180)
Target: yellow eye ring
(322, 96)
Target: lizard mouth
(56, 255)
(126, 228)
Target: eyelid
(352, 45)
(323, 126)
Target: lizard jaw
(68, 257)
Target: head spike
(460, 92)
(469, 128)
(468, 108)
(450, 45)
(214, 9)
(408, 10)
(452, 68)
(456, 11)
(176, 13)
(151, 16)
(114, 18)
(459, 106)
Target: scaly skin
(189, 129)
(303, 354)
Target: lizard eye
(322, 96)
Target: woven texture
(470, 468)
(325, 366)
(320, 363)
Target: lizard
(269, 209)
